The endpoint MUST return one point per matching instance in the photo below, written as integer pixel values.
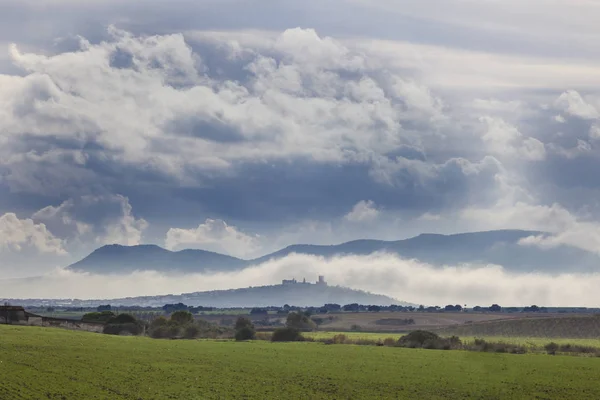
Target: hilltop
(297, 294)
(492, 247)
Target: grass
(38, 363)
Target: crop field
(372, 321)
(529, 342)
(60, 364)
(580, 327)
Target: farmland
(54, 363)
(578, 326)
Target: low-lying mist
(407, 280)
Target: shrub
(286, 335)
(245, 333)
(571, 348)
(417, 338)
(389, 341)
(551, 347)
(340, 339)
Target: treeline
(326, 308)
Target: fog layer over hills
(504, 247)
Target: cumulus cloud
(505, 139)
(364, 210)
(216, 235)
(165, 115)
(573, 104)
(106, 219)
(406, 280)
(18, 234)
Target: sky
(243, 127)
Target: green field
(51, 363)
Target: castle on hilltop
(293, 281)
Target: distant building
(321, 281)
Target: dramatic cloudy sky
(243, 127)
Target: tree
(374, 308)
(105, 307)
(169, 308)
(256, 311)
(354, 307)
(495, 308)
(182, 317)
(244, 329)
(243, 322)
(286, 335)
(299, 320)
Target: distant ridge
(499, 247)
(260, 296)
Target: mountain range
(499, 247)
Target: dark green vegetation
(573, 327)
(59, 364)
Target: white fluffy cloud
(363, 211)
(573, 104)
(505, 139)
(215, 235)
(18, 234)
(105, 219)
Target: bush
(340, 339)
(551, 347)
(286, 335)
(417, 338)
(355, 327)
(245, 333)
(389, 341)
